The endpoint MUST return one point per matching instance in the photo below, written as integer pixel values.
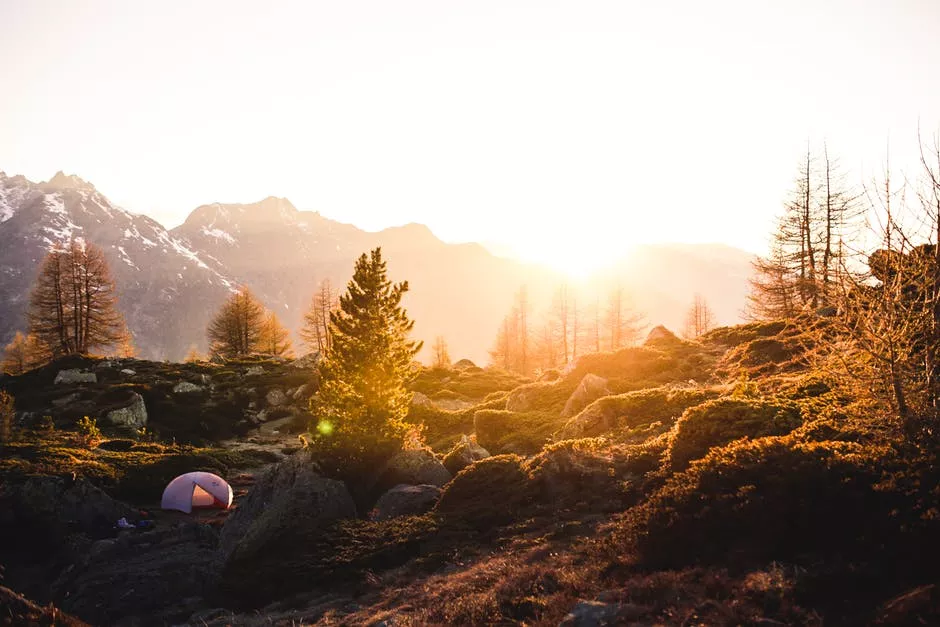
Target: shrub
(772, 498)
(662, 404)
(491, 425)
(524, 432)
(723, 420)
(493, 491)
(578, 473)
(88, 431)
(739, 334)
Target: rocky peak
(62, 181)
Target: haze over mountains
(170, 282)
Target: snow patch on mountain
(218, 234)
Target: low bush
(739, 334)
(492, 492)
(491, 425)
(522, 432)
(773, 498)
(723, 420)
(585, 473)
(663, 404)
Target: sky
(561, 131)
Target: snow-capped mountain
(165, 289)
(170, 283)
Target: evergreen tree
(362, 401)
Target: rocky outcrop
(290, 494)
(406, 500)
(60, 504)
(413, 467)
(133, 416)
(75, 376)
(591, 388)
(156, 577)
(307, 362)
(464, 453)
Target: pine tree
(275, 338)
(73, 306)
(362, 401)
(236, 329)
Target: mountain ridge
(171, 281)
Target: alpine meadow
(492, 313)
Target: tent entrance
(201, 498)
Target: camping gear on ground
(197, 489)
(123, 524)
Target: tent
(197, 489)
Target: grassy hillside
(731, 480)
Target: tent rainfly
(197, 489)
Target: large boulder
(413, 467)
(307, 362)
(527, 397)
(464, 453)
(406, 500)
(660, 335)
(290, 494)
(132, 416)
(75, 375)
(60, 503)
(591, 388)
(156, 577)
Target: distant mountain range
(170, 282)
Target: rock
(307, 362)
(302, 392)
(290, 496)
(133, 416)
(463, 454)
(522, 398)
(421, 400)
(101, 547)
(128, 372)
(155, 577)
(185, 387)
(75, 376)
(591, 388)
(204, 379)
(463, 364)
(592, 614)
(406, 500)
(413, 467)
(66, 400)
(62, 504)
(254, 371)
(660, 335)
(276, 397)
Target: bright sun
(577, 259)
